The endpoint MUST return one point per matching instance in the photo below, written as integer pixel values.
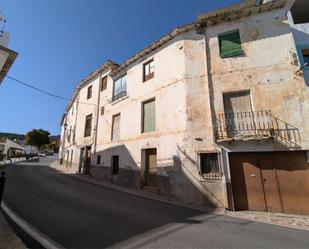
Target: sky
(59, 42)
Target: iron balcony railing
(258, 125)
(119, 95)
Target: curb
(265, 222)
(34, 233)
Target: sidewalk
(285, 220)
(8, 238)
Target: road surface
(76, 214)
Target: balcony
(256, 125)
(119, 95)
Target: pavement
(8, 238)
(78, 214)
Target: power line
(36, 88)
(42, 91)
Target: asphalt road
(76, 214)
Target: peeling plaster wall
(301, 38)
(265, 69)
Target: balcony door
(238, 114)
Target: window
(305, 53)
(88, 124)
(102, 110)
(115, 165)
(230, 44)
(299, 12)
(148, 70)
(116, 127)
(120, 88)
(103, 83)
(89, 92)
(99, 159)
(209, 165)
(148, 116)
(72, 109)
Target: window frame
(150, 75)
(305, 54)
(123, 91)
(89, 92)
(213, 174)
(102, 110)
(113, 124)
(103, 84)
(88, 131)
(143, 115)
(223, 54)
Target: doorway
(151, 167)
(270, 181)
(87, 160)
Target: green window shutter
(149, 122)
(230, 44)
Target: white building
(7, 56)
(210, 113)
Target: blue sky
(60, 41)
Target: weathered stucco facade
(188, 87)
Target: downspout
(95, 133)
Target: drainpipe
(95, 131)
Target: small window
(72, 109)
(115, 165)
(89, 92)
(98, 159)
(305, 53)
(120, 88)
(116, 127)
(102, 110)
(230, 44)
(88, 124)
(148, 70)
(103, 83)
(299, 12)
(209, 165)
(149, 116)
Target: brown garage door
(270, 181)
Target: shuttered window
(230, 44)
(149, 116)
(116, 127)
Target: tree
(37, 137)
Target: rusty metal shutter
(230, 44)
(149, 116)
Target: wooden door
(270, 183)
(293, 180)
(151, 167)
(247, 182)
(87, 160)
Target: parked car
(42, 154)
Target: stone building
(213, 113)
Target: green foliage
(37, 137)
